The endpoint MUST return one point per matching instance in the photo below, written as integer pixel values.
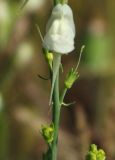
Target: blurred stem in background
(4, 131)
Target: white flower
(60, 30)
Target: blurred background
(24, 97)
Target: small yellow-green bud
(101, 155)
(48, 133)
(72, 76)
(93, 148)
(49, 56)
(95, 154)
(91, 156)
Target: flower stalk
(56, 2)
(55, 117)
(60, 1)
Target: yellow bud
(49, 56)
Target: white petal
(60, 30)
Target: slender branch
(81, 51)
(62, 96)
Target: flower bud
(101, 155)
(71, 78)
(49, 57)
(95, 154)
(91, 156)
(93, 148)
(60, 30)
(48, 133)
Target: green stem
(55, 117)
(60, 1)
(63, 1)
(56, 2)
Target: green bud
(95, 154)
(93, 148)
(91, 156)
(48, 133)
(101, 155)
(72, 76)
(48, 56)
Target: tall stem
(56, 110)
(55, 117)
